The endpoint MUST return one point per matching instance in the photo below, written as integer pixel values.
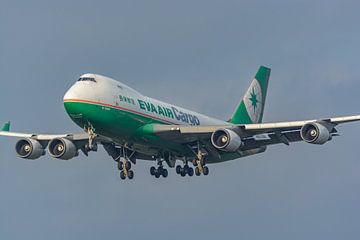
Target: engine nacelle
(62, 148)
(29, 148)
(226, 140)
(315, 133)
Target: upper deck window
(87, 79)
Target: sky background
(200, 55)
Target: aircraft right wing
(250, 136)
(63, 146)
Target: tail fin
(251, 107)
(6, 127)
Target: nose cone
(70, 97)
(70, 94)
(80, 92)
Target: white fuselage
(111, 93)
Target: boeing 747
(131, 126)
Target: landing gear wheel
(205, 170)
(122, 175)
(197, 171)
(182, 173)
(157, 174)
(178, 169)
(190, 172)
(127, 165)
(164, 173)
(152, 171)
(130, 174)
(194, 162)
(120, 165)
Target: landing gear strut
(199, 162)
(159, 171)
(91, 145)
(200, 168)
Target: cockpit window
(87, 79)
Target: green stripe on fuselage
(120, 125)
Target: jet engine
(62, 148)
(29, 148)
(315, 133)
(226, 140)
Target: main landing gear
(187, 170)
(159, 171)
(200, 168)
(124, 167)
(198, 162)
(124, 164)
(182, 171)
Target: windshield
(86, 79)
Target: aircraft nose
(71, 94)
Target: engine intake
(28, 148)
(226, 140)
(315, 133)
(62, 148)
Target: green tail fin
(251, 107)
(6, 127)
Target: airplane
(131, 126)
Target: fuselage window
(87, 79)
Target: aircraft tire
(164, 173)
(190, 172)
(197, 171)
(152, 171)
(206, 170)
(120, 165)
(178, 169)
(128, 165)
(122, 175)
(131, 174)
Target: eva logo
(253, 101)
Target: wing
(5, 132)
(256, 135)
(32, 145)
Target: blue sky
(200, 55)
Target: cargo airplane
(131, 126)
